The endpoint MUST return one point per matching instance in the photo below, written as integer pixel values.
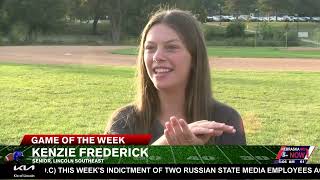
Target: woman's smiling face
(167, 60)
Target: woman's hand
(178, 132)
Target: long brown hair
(198, 98)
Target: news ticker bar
(181, 171)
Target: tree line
(129, 16)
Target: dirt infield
(100, 55)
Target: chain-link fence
(278, 34)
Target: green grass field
(277, 107)
(259, 52)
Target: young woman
(174, 100)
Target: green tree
(85, 10)
(197, 7)
(267, 31)
(305, 7)
(235, 29)
(78, 10)
(136, 17)
(240, 6)
(212, 7)
(275, 6)
(38, 16)
(115, 15)
(3, 18)
(98, 9)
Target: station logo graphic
(294, 154)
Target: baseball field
(74, 89)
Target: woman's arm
(178, 132)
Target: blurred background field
(42, 93)
(224, 22)
(247, 52)
(277, 107)
(254, 35)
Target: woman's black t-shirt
(122, 124)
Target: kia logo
(24, 168)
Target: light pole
(297, 19)
(257, 27)
(219, 6)
(258, 13)
(319, 36)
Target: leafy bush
(231, 42)
(293, 39)
(18, 32)
(213, 32)
(266, 31)
(235, 29)
(316, 34)
(3, 22)
(276, 37)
